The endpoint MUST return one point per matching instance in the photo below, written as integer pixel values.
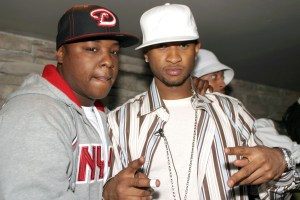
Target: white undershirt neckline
(95, 119)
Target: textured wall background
(21, 55)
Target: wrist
(107, 189)
(288, 158)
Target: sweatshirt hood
(36, 84)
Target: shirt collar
(153, 101)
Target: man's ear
(197, 46)
(60, 54)
(146, 58)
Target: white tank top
(179, 131)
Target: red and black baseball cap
(91, 22)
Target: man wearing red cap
(54, 140)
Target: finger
(210, 88)
(134, 187)
(137, 193)
(258, 181)
(140, 175)
(241, 163)
(242, 174)
(154, 183)
(202, 86)
(135, 165)
(143, 182)
(239, 151)
(137, 198)
(257, 177)
(195, 81)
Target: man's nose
(173, 55)
(106, 60)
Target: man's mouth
(103, 78)
(173, 71)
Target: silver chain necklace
(169, 157)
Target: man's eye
(115, 52)
(184, 45)
(91, 49)
(214, 77)
(162, 46)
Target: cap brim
(125, 39)
(228, 76)
(169, 39)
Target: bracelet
(289, 159)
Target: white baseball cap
(207, 63)
(168, 23)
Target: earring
(146, 60)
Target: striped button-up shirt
(223, 122)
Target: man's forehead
(177, 42)
(173, 43)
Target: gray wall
(21, 55)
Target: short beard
(173, 84)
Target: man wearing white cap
(187, 156)
(209, 68)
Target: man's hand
(201, 86)
(130, 183)
(259, 165)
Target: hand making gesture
(130, 183)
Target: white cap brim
(165, 40)
(214, 67)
